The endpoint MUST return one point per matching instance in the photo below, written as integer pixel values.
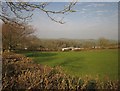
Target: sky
(91, 21)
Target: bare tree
(12, 35)
(103, 42)
(16, 15)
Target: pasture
(102, 63)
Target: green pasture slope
(103, 63)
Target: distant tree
(88, 44)
(103, 42)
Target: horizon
(78, 39)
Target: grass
(102, 63)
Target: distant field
(103, 63)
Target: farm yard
(102, 63)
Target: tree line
(21, 38)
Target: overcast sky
(91, 21)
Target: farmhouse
(72, 49)
(77, 49)
(67, 49)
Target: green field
(103, 63)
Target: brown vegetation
(19, 72)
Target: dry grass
(19, 72)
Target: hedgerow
(20, 72)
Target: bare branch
(18, 9)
